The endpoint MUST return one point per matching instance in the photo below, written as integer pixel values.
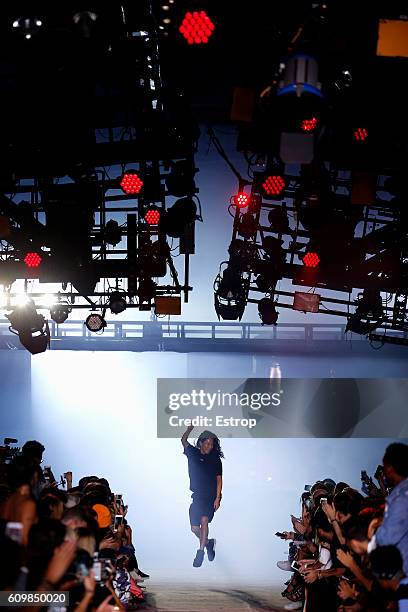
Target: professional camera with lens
(7, 453)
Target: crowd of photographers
(348, 550)
(59, 537)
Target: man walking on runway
(205, 471)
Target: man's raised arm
(184, 438)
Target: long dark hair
(217, 446)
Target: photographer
(394, 528)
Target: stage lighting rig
(299, 95)
(273, 185)
(96, 322)
(130, 182)
(27, 26)
(360, 134)
(176, 219)
(59, 312)
(267, 311)
(197, 27)
(152, 216)
(146, 292)
(369, 313)
(242, 254)
(268, 274)
(32, 259)
(180, 180)
(369, 304)
(279, 220)
(241, 200)
(230, 293)
(117, 302)
(247, 225)
(85, 22)
(311, 259)
(31, 327)
(309, 125)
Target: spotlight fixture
(300, 102)
(27, 26)
(279, 220)
(308, 125)
(59, 312)
(84, 21)
(147, 289)
(130, 182)
(273, 185)
(152, 216)
(311, 259)
(31, 327)
(241, 200)
(95, 322)
(230, 294)
(369, 304)
(117, 302)
(267, 311)
(196, 27)
(180, 180)
(178, 217)
(360, 134)
(358, 326)
(32, 260)
(113, 233)
(247, 225)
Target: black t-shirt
(203, 471)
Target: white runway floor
(164, 597)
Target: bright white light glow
(21, 300)
(47, 300)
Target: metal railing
(200, 330)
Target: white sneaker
(285, 566)
(136, 576)
(293, 605)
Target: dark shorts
(201, 506)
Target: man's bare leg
(197, 531)
(204, 532)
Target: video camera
(7, 453)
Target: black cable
(220, 150)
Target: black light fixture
(147, 289)
(95, 321)
(267, 311)
(230, 294)
(279, 220)
(370, 305)
(117, 302)
(31, 327)
(358, 326)
(247, 226)
(112, 233)
(180, 181)
(176, 219)
(59, 312)
(369, 313)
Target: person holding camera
(205, 472)
(394, 528)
